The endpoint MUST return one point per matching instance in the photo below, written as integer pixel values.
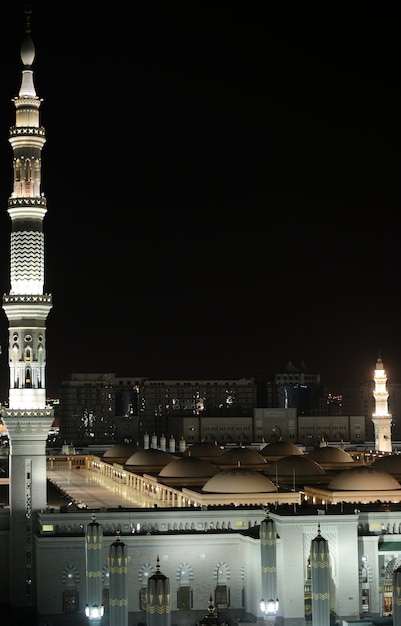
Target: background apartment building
(292, 405)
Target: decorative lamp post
(94, 612)
(94, 559)
(269, 610)
(268, 536)
(118, 570)
(158, 599)
(320, 580)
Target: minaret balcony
(32, 413)
(26, 201)
(33, 307)
(27, 131)
(24, 298)
(23, 208)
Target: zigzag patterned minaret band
(27, 417)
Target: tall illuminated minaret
(27, 417)
(381, 417)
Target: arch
(275, 433)
(365, 573)
(27, 170)
(222, 573)
(41, 355)
(184, 573)
(70, 576)
(184, 576)
(145, 572)
(106, 575)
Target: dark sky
(222, 183)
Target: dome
(330, 454)
(151, 460)
(241, 456)
(188, 467)
(205, 450)
(301, 466)
(363, 478)
(187, 471)
(239, 480)
(390, 463)
(121, 451)
(280, 449)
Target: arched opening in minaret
(27, 177)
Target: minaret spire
(27, 417)
(28, 12)
(381, 417)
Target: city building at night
(311, 537)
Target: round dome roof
(188, 467)
(300, 465)
(204, 449)
(363, 478)
(280, 448)
(390, 463)
(121, 451)
(238, 480)
(330, 454)
(150, 456)
(241, 456)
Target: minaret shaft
(27, 417)
(381, 417)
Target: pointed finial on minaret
(28, 13)
(27, 52)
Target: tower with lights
(381, 417)
(27, 417)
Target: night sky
(222, 183)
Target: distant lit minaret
(381, 417)
(27, 418)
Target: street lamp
(269, 610)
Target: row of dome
(218, 470)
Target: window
(184, 602)
(70, 601)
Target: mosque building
(202, 535)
